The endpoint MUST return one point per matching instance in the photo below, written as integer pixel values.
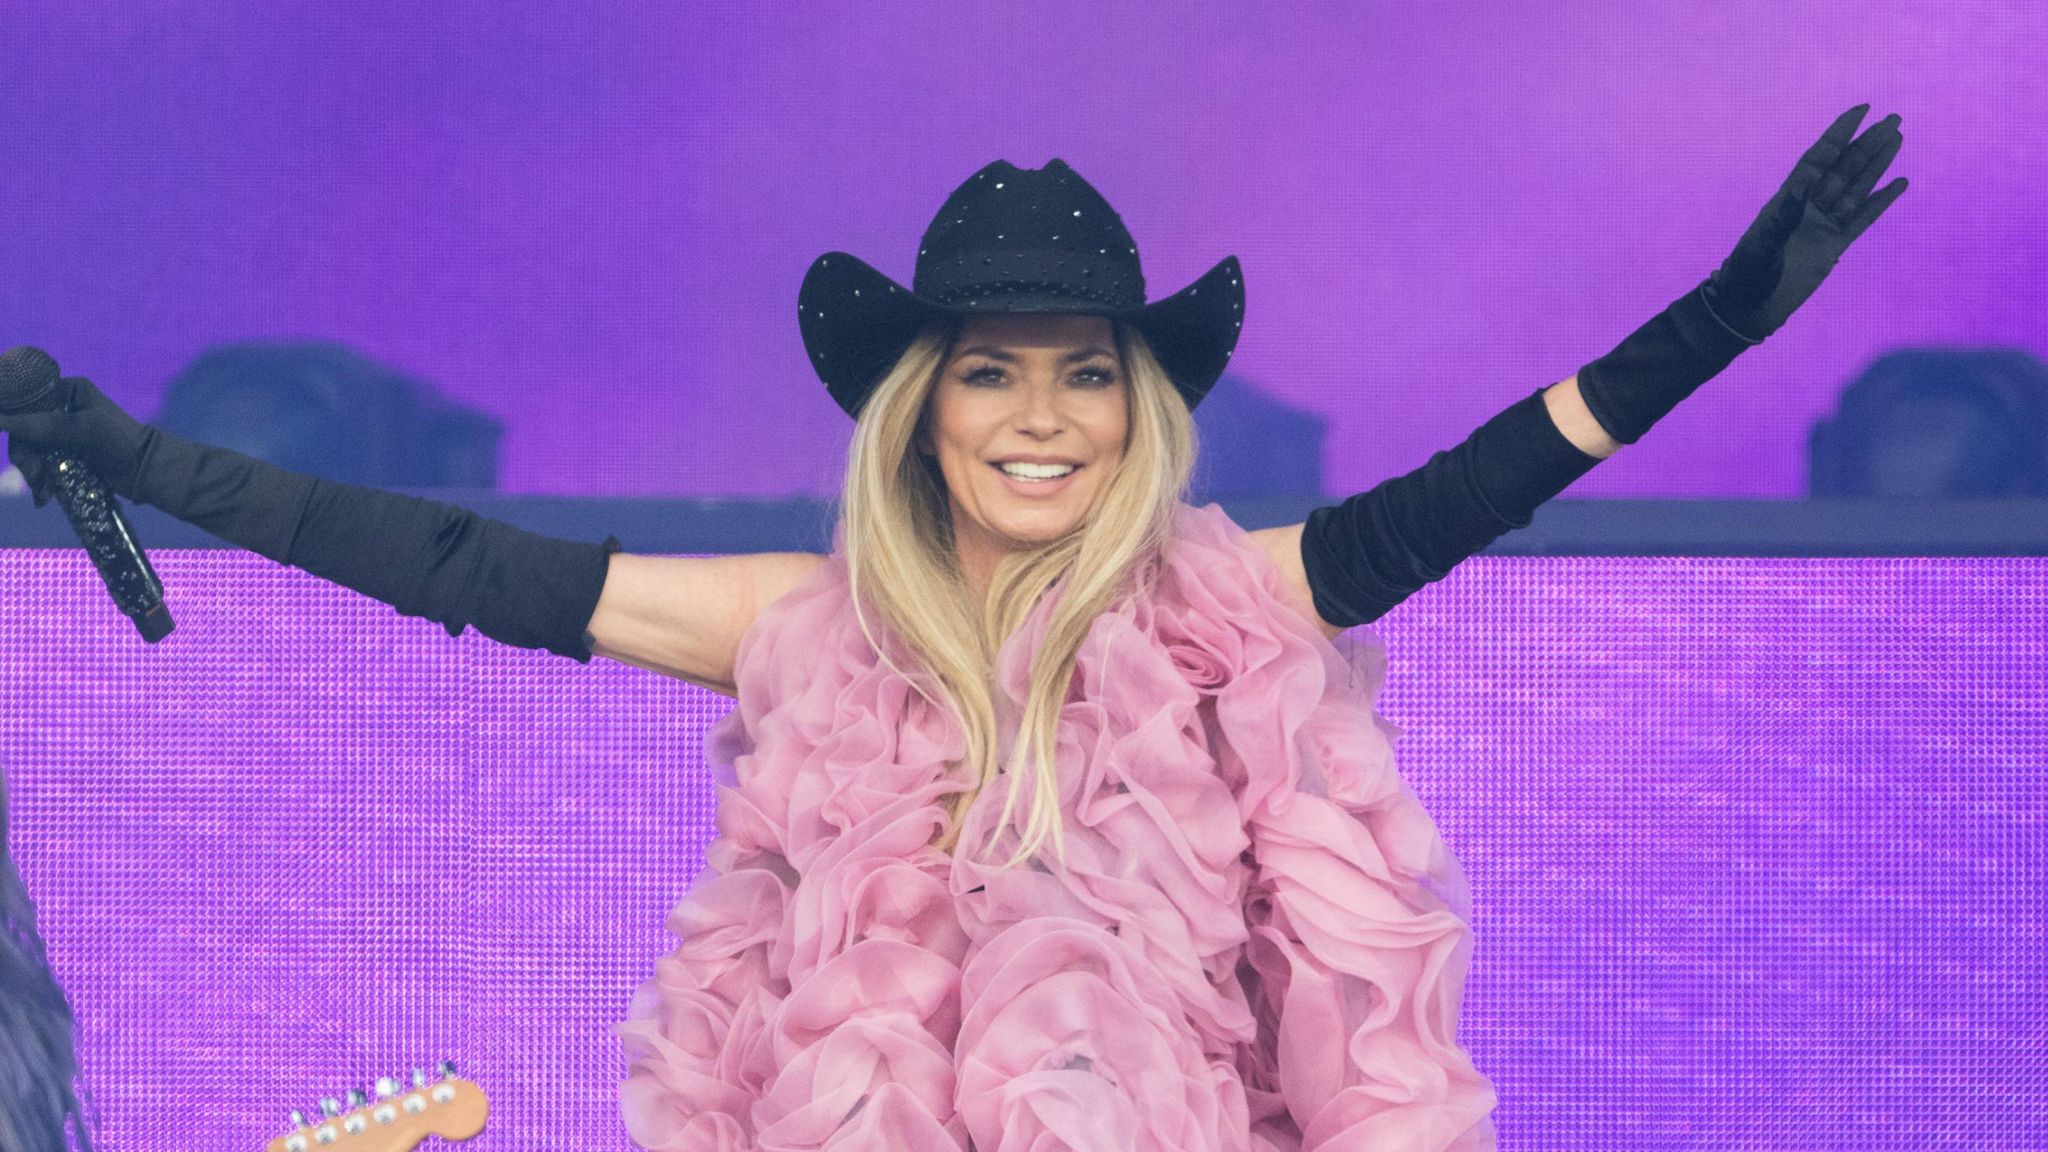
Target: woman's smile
(1036, 487)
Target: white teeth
(1023, 471)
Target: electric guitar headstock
(395, 1121)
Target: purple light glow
(590, 221)
(1755, 844)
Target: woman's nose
(1038, 405)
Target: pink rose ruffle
(1259, 941)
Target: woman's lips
(1035, 487)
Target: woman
(1206, 912)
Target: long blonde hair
(900, 558)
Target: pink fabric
(1259, 942)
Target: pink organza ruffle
(1259, 940)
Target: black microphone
(28, 383)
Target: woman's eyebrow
(994, 353)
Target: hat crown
(1012, 238)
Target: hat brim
(856, 322)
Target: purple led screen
(589, 221)
(1756, 846)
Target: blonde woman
(1053, 812)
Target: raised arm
(1353, 562)
(1361, 558)
(1357, 560)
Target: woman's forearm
(1569, 412)
(1367, 554)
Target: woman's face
(1035, 387)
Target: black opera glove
(422, 557)
(1792, 245)
(1368, 554)
(1377, 548)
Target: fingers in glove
(35, 427)
(77, 394)
(1873, 169)
(1837, 194)
(1818, 159)
(35, 469)
(25, 433)
(38, 480)
(1873, 208)
(50, 410)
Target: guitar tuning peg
(356, 1099)
(329, 1106)
(386, 1087)
(447, 1068)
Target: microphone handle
(104, 531)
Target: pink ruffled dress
(1259, 940)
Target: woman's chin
(1033, 525)
(1041, 527)
(1025, 521)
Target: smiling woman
(1244, 931)
(1144, 686)
(1043, 393)
(1223, 921)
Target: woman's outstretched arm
(1360, 558)
(423, 557)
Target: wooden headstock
(396, 1121)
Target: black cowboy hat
(1014, 239)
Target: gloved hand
(423, 557)
(1377, 548)
(86, 425)
(1822, 207)
(1788, 250)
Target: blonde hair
(896, 521)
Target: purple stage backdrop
(590, 220)
(1756, 846)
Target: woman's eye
(1095, 377)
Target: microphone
(28, 383)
